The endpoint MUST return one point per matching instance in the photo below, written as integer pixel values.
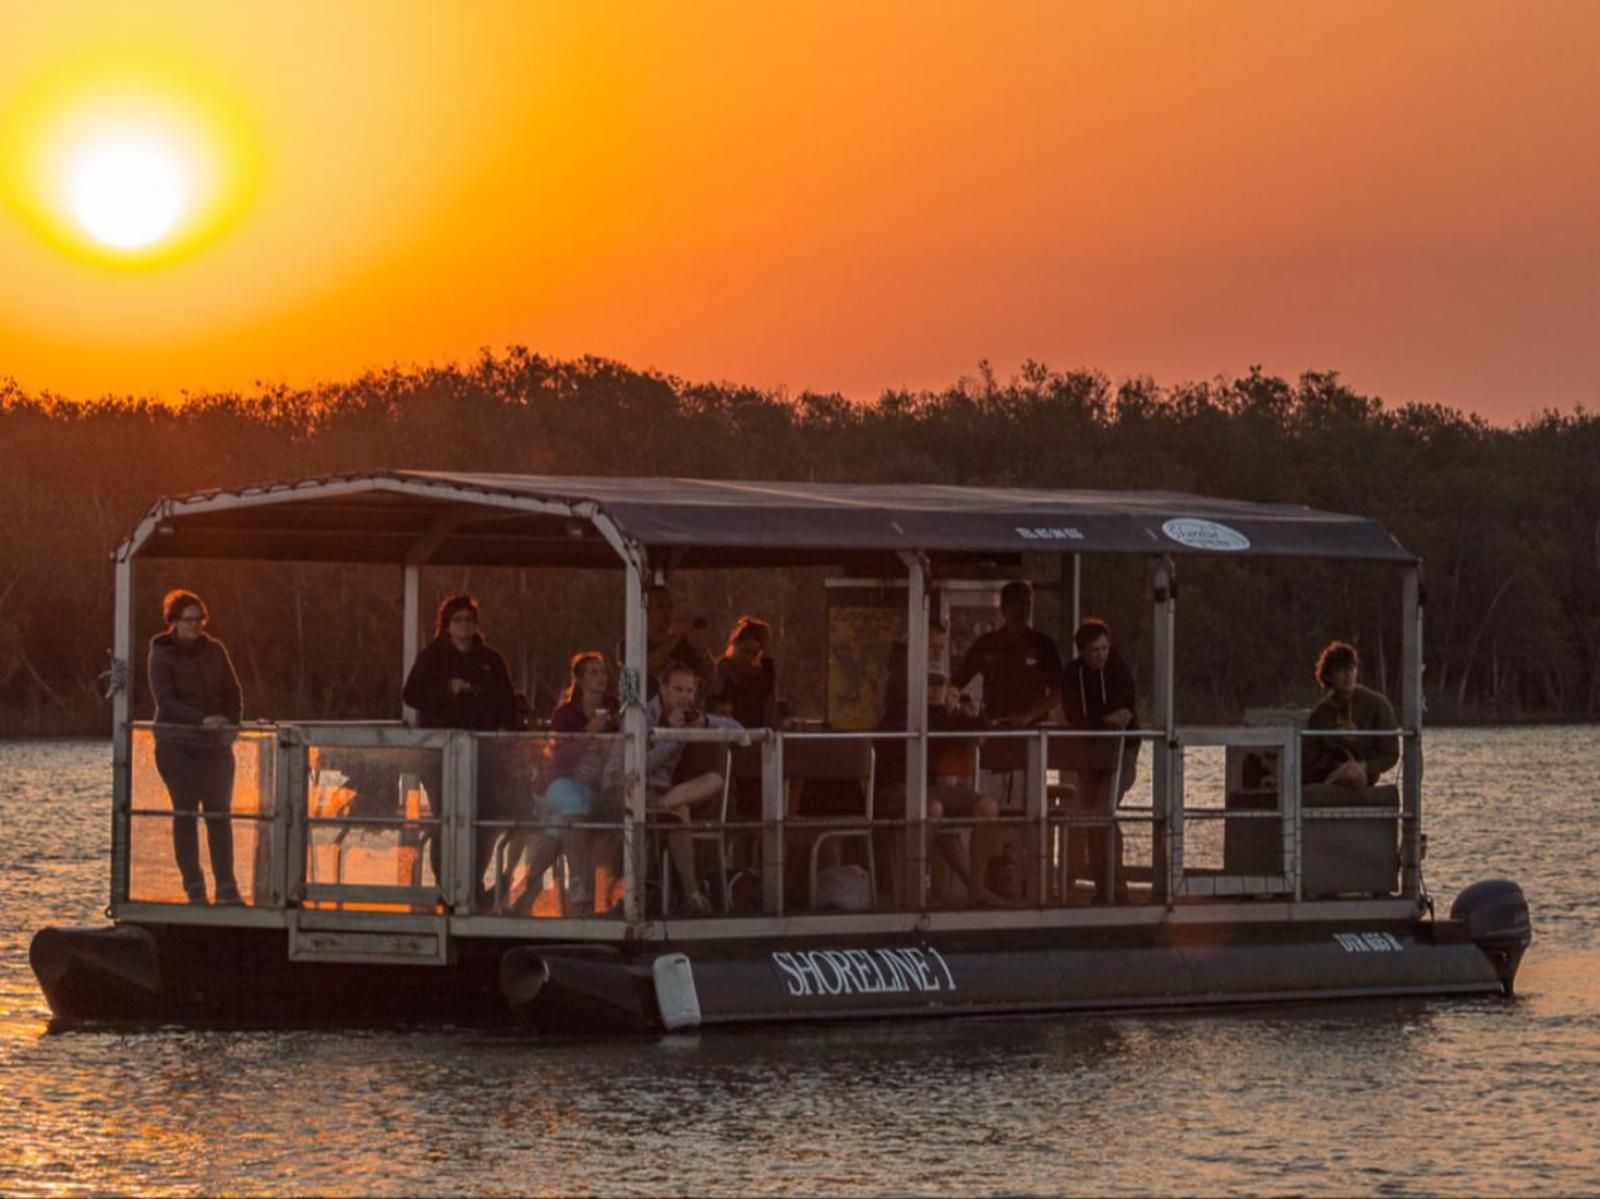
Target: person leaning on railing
(1098, 693)
(1021, 669)
(194, 684)
(1347, 761)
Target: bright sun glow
(128, 161)
(127, 190)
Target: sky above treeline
(830, 197)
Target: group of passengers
(1024, 686)
(459, 682)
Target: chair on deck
(834, 761)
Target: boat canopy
(501, 519)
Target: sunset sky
(850, 197)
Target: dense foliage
(1508, 520)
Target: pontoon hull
(185, 973)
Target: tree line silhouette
(1507, 520)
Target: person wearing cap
(1021, 669)
(1348, 706)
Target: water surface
(1439, 1097)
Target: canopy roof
(489, 519)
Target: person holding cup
(570, 780)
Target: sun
(128, 163)
(128, 189)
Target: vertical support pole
(1112, 866)
(1167, 838)
(1070, 573)
(1411, 706)
(122, 729)
(459, 825)
(294, 765)
(636, 731)
(278, 830)
(410, 631)
(772, 803)
(1077, 596)
(1037, 811)
(916, 878)
(1293, 829)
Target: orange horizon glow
(827, 197)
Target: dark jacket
(749, 696)
(490, 703)
(1367, 709)
(1087, 695)
(192, 682)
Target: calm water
(1445, 1097)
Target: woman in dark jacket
(198, 709)
(459, 682)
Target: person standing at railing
(667, 643)
(1346, 705)
(460, 682)
(1021, 669)
(744, 684)
(198, 708)
(1098, 693)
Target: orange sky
(841, 196)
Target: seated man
(676, 801)
(1347, 761)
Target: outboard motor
(1496, 916)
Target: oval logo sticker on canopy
(1205, 535)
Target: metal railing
(440, 823)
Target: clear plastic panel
(1204, 804)
(532, 856)
(372, 816)
(197, 763)
(1083, 773)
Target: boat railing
(1245, 824)
(382, 818)
(152, 822)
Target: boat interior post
(863, 863)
